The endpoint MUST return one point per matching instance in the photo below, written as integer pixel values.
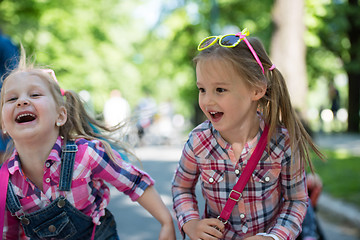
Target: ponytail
(80, 124)
(279, 111)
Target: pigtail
(80, 124)
(279, 111)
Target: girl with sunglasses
(242, 93)
(58, 165)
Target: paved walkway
(161, 161)
(338, 219)
(339, 141)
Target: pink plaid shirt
(273, 201)
(89, 193)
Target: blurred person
(145, 112)
(334, 97)
(244, 96)
(8, 60)
(117, 111)
(311, 230)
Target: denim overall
(60, 220)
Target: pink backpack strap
(4, 181)
(236, 192)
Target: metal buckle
(236, 200)
(64, 149)
(222, 220)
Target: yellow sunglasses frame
(245, 32)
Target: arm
(184, 198)
(151, 201)
(293, 209)
(183, 188)
(137, 184)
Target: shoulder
(202, 131)
(89, 145)
(95, 149)
(201, 137)
(280, 133)
(279, 142)
(204, 128)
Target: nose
(22, 102)
(207, 99)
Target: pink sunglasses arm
(52, 73)
(254, 54)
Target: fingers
(210, 229)
(205, 229)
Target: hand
(205, 229)
(259, 238)
(167, 232)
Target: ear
(62, 117)
(259, 92)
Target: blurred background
(144, 48)
(138, 54)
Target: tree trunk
(353, 68)
(288, 49)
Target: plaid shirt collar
(225, 145)
(14, 163)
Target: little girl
(241, 92)
(58, 165)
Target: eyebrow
(216, 83)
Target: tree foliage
(88, 44)
(101, 45)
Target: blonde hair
(79, 123)
(276, 105)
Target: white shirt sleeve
(268, 235)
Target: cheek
(201, 103)
(5, 112)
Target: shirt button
(47, 164)
(267, 179)
(47, 180)
(237, 171)
(211, 180)
(242, 215)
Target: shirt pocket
(266, 184)
(212, 172)
(212, 177)
(267, 176)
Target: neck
(244, 133)
(35, 152)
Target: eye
(11, 99)
(35, 95)
(201, 90)
(220, 90)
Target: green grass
(340, 175)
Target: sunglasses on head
(230, 41)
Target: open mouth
(216, 115)
(25, 117)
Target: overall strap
(12, 202)
(236, 192)
(68, 153)
(4, 179)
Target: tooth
(25, 114)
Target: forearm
(151, 201)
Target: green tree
(89, 44)
(333, 47)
